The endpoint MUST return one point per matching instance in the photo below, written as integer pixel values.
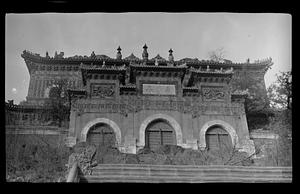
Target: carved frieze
(213, 93)
(134, 105)
(102, 90)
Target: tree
(256, 101)
(280, 92)
(217, 55)
(58, 102)
(280, 98)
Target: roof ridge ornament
(93, 55)
(47, 55)
(159, 58)
(156, 62)
(145, 53)
(119, 55)
(131, 57)
(171, 57)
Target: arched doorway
(217, 138)
(106, 122)
(158, 133)
(225, 126)
(101, 135)
(160, 117)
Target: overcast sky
(254, 36)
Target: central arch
(170, 120)
(109, 122)
(224, 125)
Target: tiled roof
(189, 61)
(102, 67)
(212, 71)
(132, 58)
(158, 67)
(128, 86)
(158, 58)
(190, 88)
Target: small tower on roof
(93, 55)
(171, 58)
(145, 53)
(119, 55)
(47, 55)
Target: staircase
(185, 174)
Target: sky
(194, 35)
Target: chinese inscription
(159, 89)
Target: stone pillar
(35, 88)
(129, 145)
(43, 88)
(31, 87)
(192, 143)
(245, 144)
(72, 124)
(71, 139)
(39, 88)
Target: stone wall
(132, 126)
(266, 147)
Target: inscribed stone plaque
(159, 89)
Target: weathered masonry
(132, 103)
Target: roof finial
(156, 62)
(145, 53)
(119, 55)
(171, 58)
(93, 55)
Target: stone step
(174, 179)
(150, 172)
(189, 167)
(179, 171)
(186, 173)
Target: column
(38, 85)
(30, 87)
(35, 88)
(43, 88)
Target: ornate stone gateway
(148, 102)
(101, 135)
(159, 133)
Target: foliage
(174, 155)
(281, 124)
(35, 161)
(217, 55)
(256, 103)
(280, 92)
(84, 156)
(58, 102)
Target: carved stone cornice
(134, 105)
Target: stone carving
(213, 93)
(133, 105)
(102, 90)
